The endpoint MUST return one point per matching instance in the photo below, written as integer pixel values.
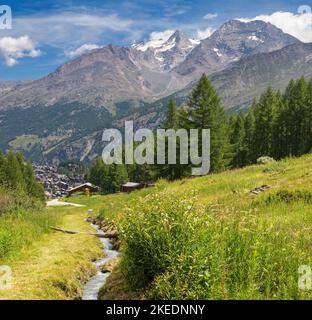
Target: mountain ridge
(112, 84)
(231, 42)
(138, 74)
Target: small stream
(93, 286)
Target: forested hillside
(277, 125)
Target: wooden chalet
(86, 188)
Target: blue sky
(46, 34)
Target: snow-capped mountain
(169, 50)
(146, 71)
(231, 42)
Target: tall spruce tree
(206, 112)
(172, 115)
(279, 130)
(2, 169)
(19, 176)
(173, 121)
(117, 176)
(237, 142)
(13, 172)
(308, 118)
(295, 100)
(265, 115)
(108, 177)
(302, 116)
(249, 145)
(33, 188)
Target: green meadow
(211, 238)
(198, 238)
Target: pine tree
(98, 174)
(295, 107)
(18, 176)
(237, 141)
(172, 115)
(173, 122)
(118, 176)
(13, 172)
(33, 188)
(304, 124)
(280, 130)
(265, 115)
(142, 173)
(2, 169)
(249, 145)
(308, 118)
(206, 112)
(108, 177)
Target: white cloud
(81, 50)
(210, 16)
(297, 25)
(161, 36)
(156, 39)
(13, 49)
(204, 33)
(60, 29)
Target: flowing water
(93, 286)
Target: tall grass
(22, 220)
(182, 250)
(225, 243)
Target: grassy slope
(289, 225)
(230, 187)
(289, 173)
(56, 265)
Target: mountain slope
(6, 86)
(249, 77)
(100, 78)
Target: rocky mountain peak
(168, 51)
(232, 41)
(178, 37)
